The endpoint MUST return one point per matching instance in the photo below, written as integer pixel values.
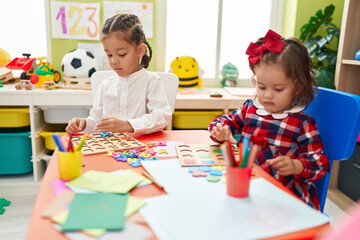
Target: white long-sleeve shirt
(138, 98)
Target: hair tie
(271, 43)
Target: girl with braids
(285, 84)
(134, 100)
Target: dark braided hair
(129, 28)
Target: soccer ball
(79, 63)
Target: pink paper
(347, 227)
(59, 186)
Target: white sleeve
(96, 112)
(158, 114)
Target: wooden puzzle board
(95, 143)
(201, 154)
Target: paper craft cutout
(201, 154)
(96, 143)
(133, 205)
(129, 172)
(61, 219)
(105, 182)
(96, 211)
(59, 204)
(59, 186)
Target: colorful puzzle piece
(161, 144)
(199, 173)
(220, 168)
(3, 203)
(201, 154)
(152, 144)
(215, 172)
(212, 178)
(99, 143)
(133, 157)
(163, 151)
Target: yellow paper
(105, 182)
(144, 180)
(133, 205)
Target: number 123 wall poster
(72, 20)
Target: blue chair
(337, 115)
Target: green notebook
(96, 210)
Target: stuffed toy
(187, 70)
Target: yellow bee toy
(187, 70)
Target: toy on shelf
(49, 85)
(357, 55)
(37, 70)
(187, 70)
(78, 66)
(44, 64)
(26, 84)
(229, 75)
(4, 57)
(42, 74)
(6, 75)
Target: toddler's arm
(76, 125)
(286, 166)
(113, 124)
(221, 133)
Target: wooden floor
(14, 222)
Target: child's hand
(112, 124)
(222, 133)
(286, 166)
(76, 125)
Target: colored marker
(70, 145)
(82, 142)
(58, 142)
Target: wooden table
(42, 228)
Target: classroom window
(23, 28)
(217, 32)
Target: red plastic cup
(238, 181)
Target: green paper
(105, 182)
(102, 210)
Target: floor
(14, 222)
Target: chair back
(170, 82)
(337, 115)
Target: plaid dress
(295, 136)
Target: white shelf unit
(35, 98)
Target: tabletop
(42, 228)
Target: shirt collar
(262, 112)
(134, 75)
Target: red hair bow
(271, 43)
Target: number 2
(81, 30)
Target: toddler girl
(134, 100)
(285, 84)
